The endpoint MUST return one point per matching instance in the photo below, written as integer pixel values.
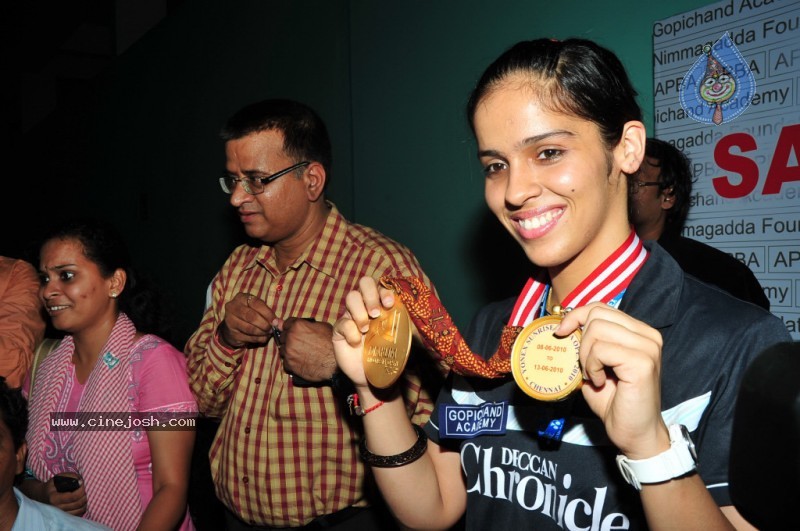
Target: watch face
(689, 443)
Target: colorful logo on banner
(719, 86)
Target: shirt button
(279, 287)
(257, 381)
(228, 364)
(245, 480)
(247, 430)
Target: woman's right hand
(363, 305)
(73, 502)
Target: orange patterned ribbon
(440, 335)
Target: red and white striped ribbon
(605, 283)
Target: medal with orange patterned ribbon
(387, 345)
(545, 366)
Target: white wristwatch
(680, 459)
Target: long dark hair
(576, 76)
(106, 248)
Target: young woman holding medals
(660, 354)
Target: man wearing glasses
(659, 204)
(262, 359)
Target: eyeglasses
(635, 186)
(255, 185)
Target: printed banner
(726, 94)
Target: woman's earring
(113, 294)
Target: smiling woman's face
(73, 290)
(550, 179)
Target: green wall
(158, 156)
(391, 80)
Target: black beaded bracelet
(391, 461)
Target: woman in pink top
(111, 405)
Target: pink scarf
(104, 458)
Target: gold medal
(387, 345)
(544, 366)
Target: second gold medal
(387, 345)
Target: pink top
(159, 385)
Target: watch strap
(680, 459)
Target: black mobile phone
(277, 336)
(65, 483)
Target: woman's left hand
(363, 305)
(621, 361)
(72, 502)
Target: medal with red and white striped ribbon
(545, 366)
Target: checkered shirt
(283, 454)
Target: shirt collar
(654, 294)
(321, 254)
(20, 498)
